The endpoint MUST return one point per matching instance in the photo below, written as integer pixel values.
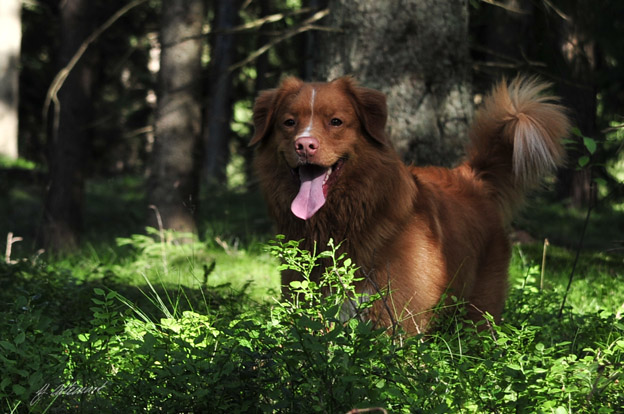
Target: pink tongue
(310, 197)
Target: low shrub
(298, 355)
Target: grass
(154, 326)
(597, 282)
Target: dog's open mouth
(315, 181)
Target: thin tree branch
(9, 246)
(517, 64)
(272, 18)
(612, 128)
(514, 62)
(367, 410)
(246, 27)
(305, 26)
(506, 7)
(61, 76)
(561, 14)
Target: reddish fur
(416, 231)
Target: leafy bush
(33, 340)
(301, 355)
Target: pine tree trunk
(309, 42)
(416, 51)
(220, 93)
(580, 95)
(173, 182)
(11, 35)
(261, 83)
(68, 147)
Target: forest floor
(111, 314)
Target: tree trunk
(580, 95)
(261, 83)
(262, 62)
(416, 51)
(11, 35)
(173, 182)
(68, 147)
(220, 91)
(309, 42)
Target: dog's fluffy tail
(517, 139)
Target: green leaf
(99, 292)
(568, 142)
(19, 339)
(590, 144)
(295, 284)
(576, 131)
(8, 346)
(600, 181)
(18, 389)
(35, 379)
(4, 383)
(306, 322)
(583, 161)
(199, 339)
(332, 311)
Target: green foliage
(589, 147)
(603, 159)
(312, 353)
(6, 162)
(33, 344)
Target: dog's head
(316, 130)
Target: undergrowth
(91, 346)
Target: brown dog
(328, 170)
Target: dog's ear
(263, 110)
(371, 108)
(266, 106)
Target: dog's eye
(335, 122)
(289, 122)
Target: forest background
(125, 180)
(162, 92)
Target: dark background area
(98, 152)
